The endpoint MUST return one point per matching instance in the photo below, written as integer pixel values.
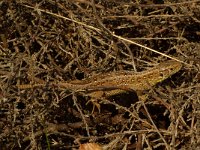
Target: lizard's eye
(171, 69)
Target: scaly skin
(119, 81)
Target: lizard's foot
(95, 104)
(95, 96)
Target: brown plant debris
(55, 41)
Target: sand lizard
(116, 82)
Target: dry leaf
(90, 146)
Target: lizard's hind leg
(94, 97)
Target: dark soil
(62, 40)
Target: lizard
(119, 81)
(113, 83)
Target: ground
(51, 41)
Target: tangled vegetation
(51, 41)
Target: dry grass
(50, 41)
